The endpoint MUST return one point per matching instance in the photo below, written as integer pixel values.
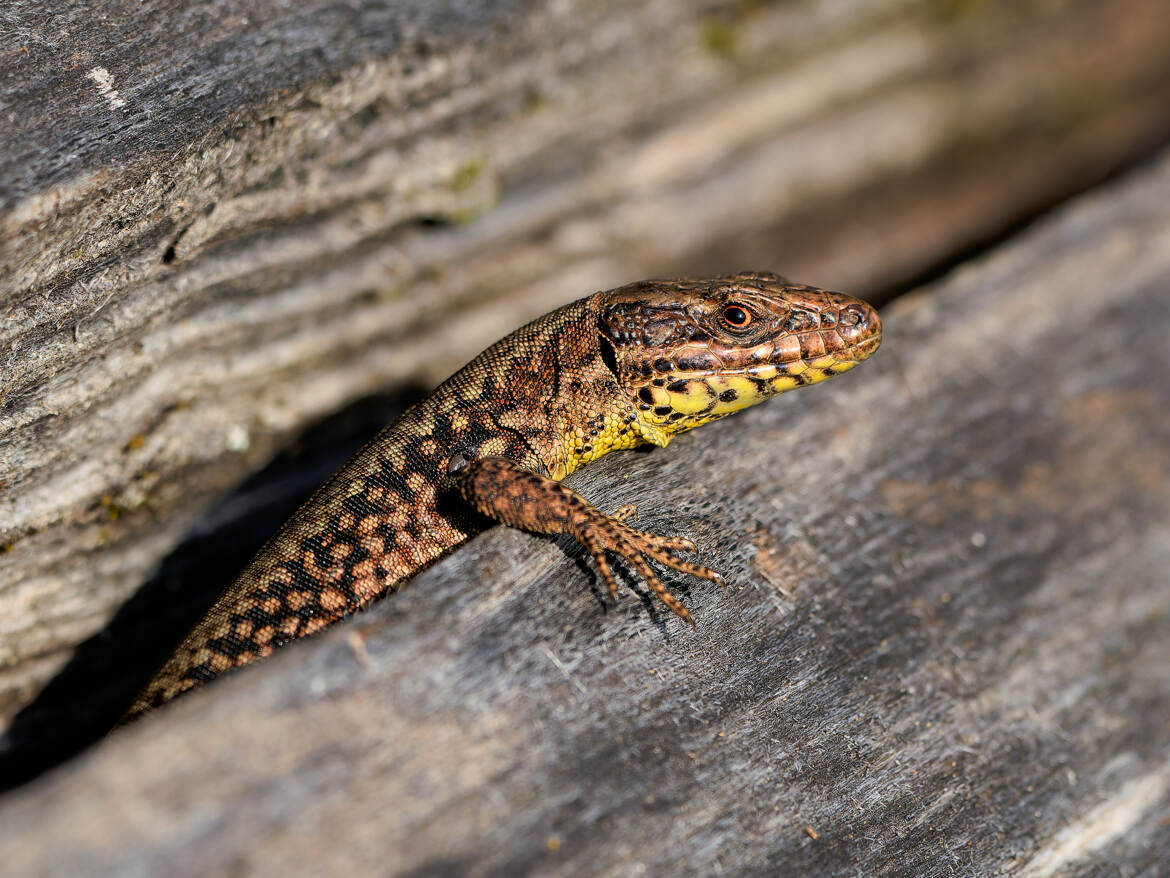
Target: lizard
(621, 368)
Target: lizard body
(615, 370)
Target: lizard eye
(737, 317)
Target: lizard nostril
(855, 315)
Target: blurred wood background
(236, 230)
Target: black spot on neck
(608, 354)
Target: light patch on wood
(1100, 826)
(105, 87)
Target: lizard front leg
(506, 492)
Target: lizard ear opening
(608, 354)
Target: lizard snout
(859, 326)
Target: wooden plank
(943, 651)
(219, 228)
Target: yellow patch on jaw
(744, 387)
(746, 393)
(696, 397)
(782, 383)
(817, 373)
(700, 400)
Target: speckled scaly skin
(618, 369)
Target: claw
(603, 534)
(606, 572)
(628, 510)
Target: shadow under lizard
(618, 369)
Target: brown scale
(622, 368)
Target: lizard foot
(504, 490)
(600, 533)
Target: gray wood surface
(221, 223)
(944, 650)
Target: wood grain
(219, 225)
(943, 652)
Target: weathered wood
(944, 651)
(218, 227)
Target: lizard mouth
(689, 397)
(832, 347)
(865, 348)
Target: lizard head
(689, 352)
